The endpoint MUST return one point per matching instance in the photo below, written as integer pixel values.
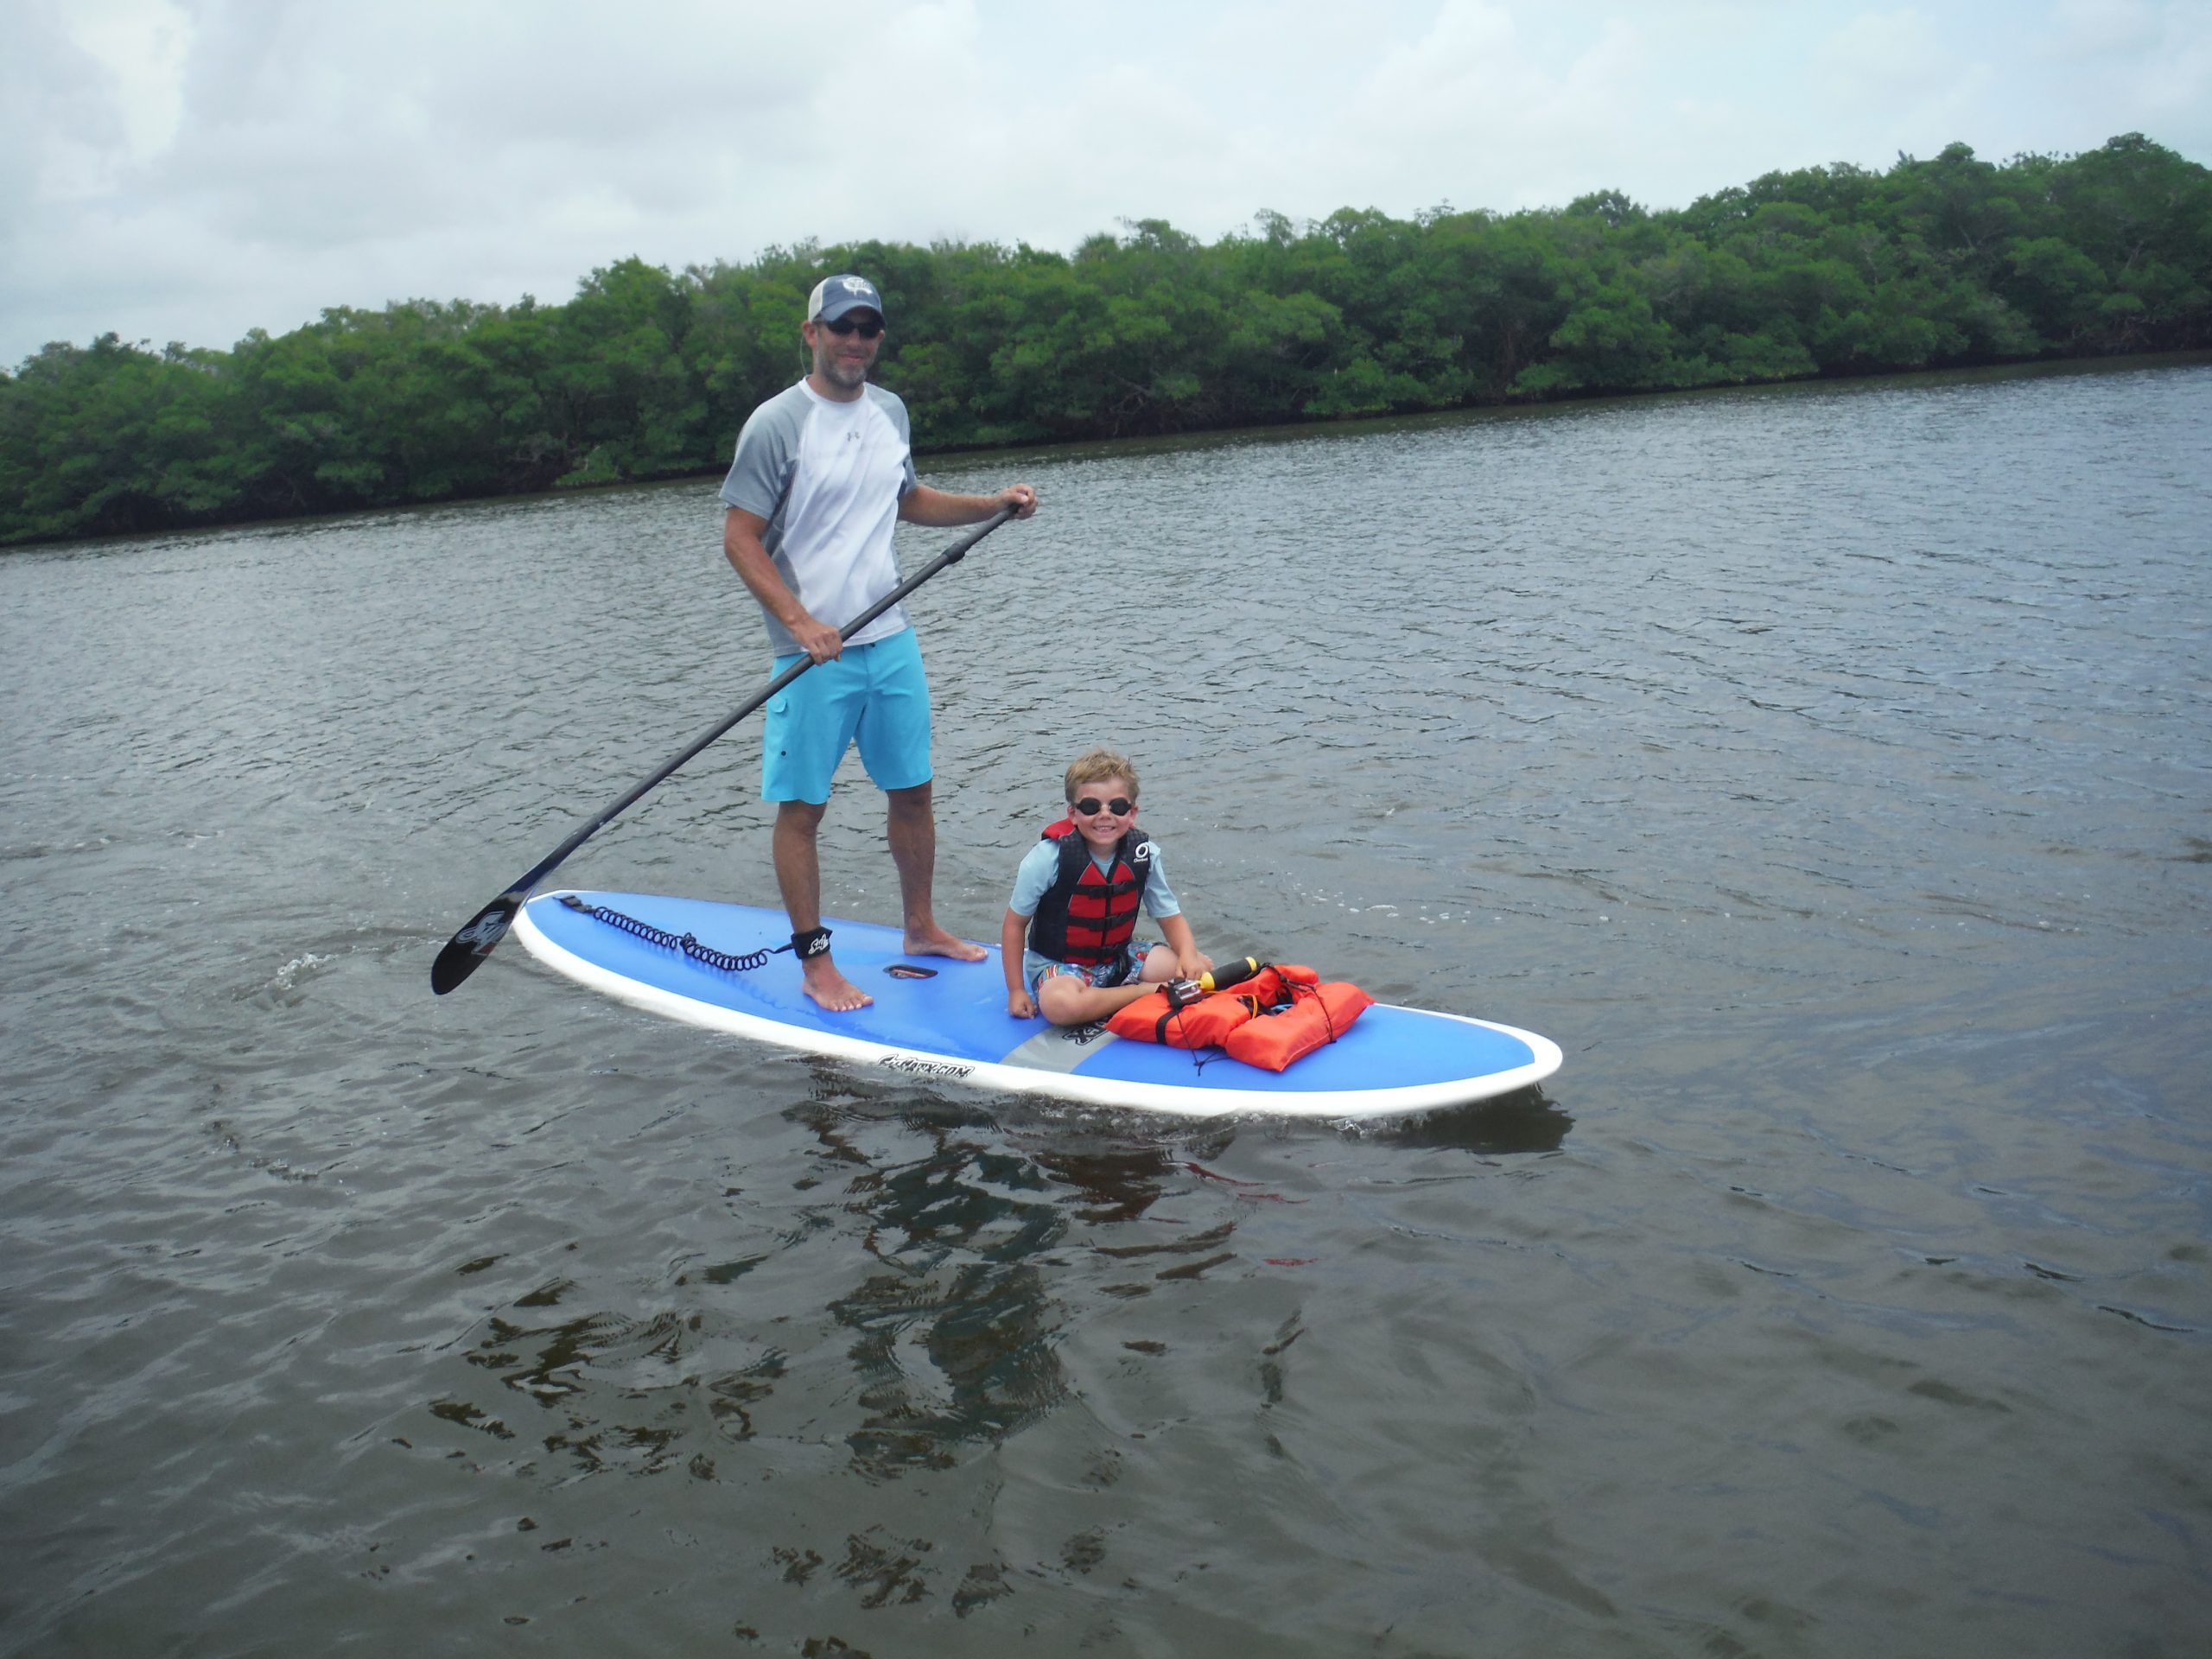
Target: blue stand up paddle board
(943, 1021)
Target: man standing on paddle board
(822, 474)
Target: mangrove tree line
(1831, 270)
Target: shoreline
(962, 457)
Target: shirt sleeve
(1159, 900)
(767, 450)
(894, 410)
(1039, 866)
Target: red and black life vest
(1086, 916)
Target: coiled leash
(810, 943)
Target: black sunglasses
(1119, 806)
(868, 330)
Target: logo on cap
(835, 295)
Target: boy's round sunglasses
(1121, 806)
(868, 327)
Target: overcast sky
(189, 170)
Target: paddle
(489, 925)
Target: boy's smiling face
(1103, 826)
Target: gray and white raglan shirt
(827, 477)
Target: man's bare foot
(836, 993)
(934, 941)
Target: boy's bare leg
(1066, 1001)
(798, 875)
(910, 826)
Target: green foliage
(645, 374)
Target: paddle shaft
(483, 931)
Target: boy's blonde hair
(1096, 767)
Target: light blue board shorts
(874, 695)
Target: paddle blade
(474, 942)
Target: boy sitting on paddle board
(1068, 939)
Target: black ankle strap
(812, 942)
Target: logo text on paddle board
(914, 1068)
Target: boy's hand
(1012, 931)
(1189, 964)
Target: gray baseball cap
(835, 295)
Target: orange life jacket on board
(1279, 1015)
(1314, 1015)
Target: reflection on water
(952, 1328)
(1823, 768)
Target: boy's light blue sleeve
(1159, 900)
(1039, 866)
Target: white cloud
(2174, 82)
(58, 119)
(1887, 59)
(2088, 28)
(141, 45)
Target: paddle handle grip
(1235, 973)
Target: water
(1825, 769)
